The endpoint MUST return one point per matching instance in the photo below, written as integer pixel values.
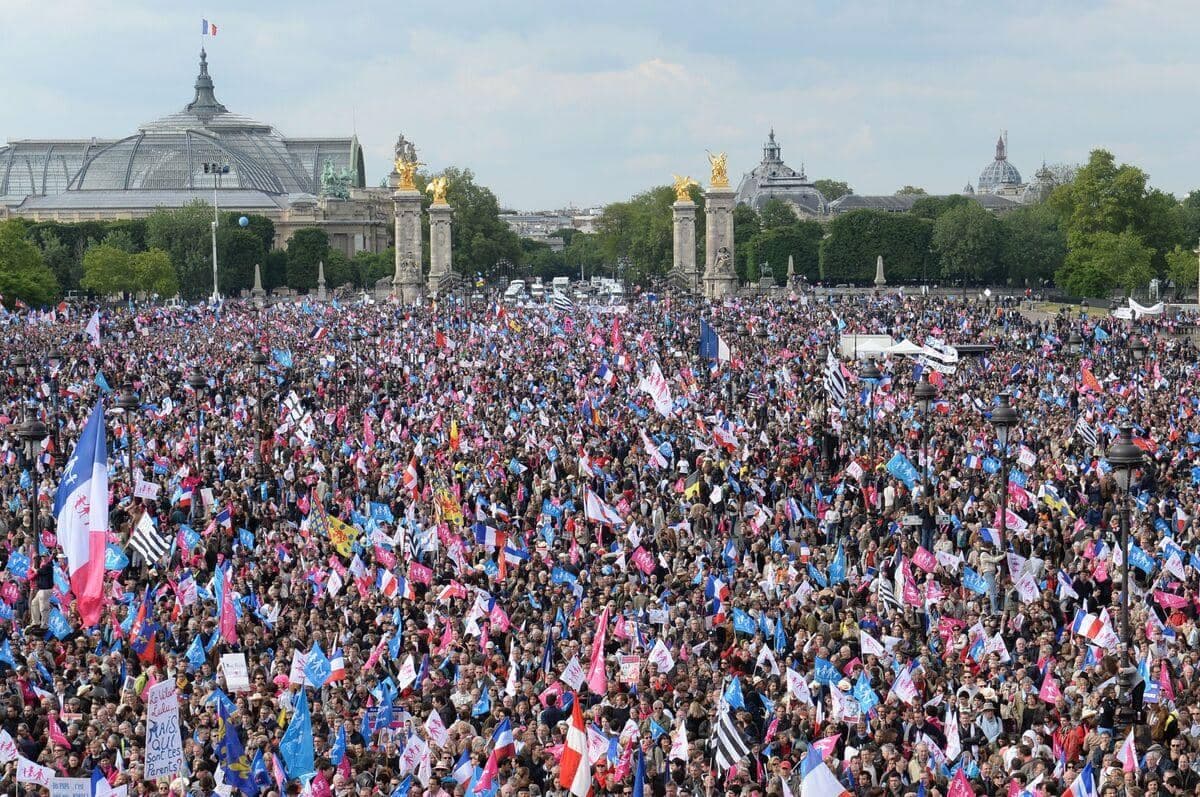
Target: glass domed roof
(171, 153)
(999, 173)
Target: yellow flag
(342, 536)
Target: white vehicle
(537, 291)
(560, 284)
(515, 291)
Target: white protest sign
(70, 787)
(147, 490)
(631, 667)
(296, 674)
(237, 676)
(572, 674)
(164, 747)
(29, 772)
(8, 748)
(206, 495)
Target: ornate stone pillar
(440, 262)
(684, 216)
(406, 283)
(720, 277)
(322, 295)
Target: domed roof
(999, 173)
(171, 153)
(774, 179)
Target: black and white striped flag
(563, 303)
(887, 595)
(835, 380)
(148, 542)
(1086, 433)
(728, 744)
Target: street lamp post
(1004, 418)
(54, 358)
(1124, 457)
(32, 432)
(1137, 350)
(870, 374)
(197, 382)
(924, 393)
(1074, 343)
(127, 403)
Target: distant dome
(999, 173)
(774, 179)
(171, 153)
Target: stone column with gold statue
(720, 276)
(440, 258)
(683, 213)
(407, 285)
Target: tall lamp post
(1074, 343)
(54, 358)
(924, 393)
(1124, 457)
(197, 382)
(32, 432)
(127, 403)
(1137, 350)
(870, 374)
(1004, 418)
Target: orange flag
(1090, 382)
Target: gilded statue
(407, 169)
(682, 186)
(720, 179)
(437, 186)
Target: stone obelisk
(440, 263)
(720, 277)
(322, 295)
(257, 293)
(683, 214)
(406, 203)
(880, 281)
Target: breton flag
(148, 542)
(563, 303)
(1086, 433)
(728, 743)
(207, 29)
(712, 347)
(81, 513)
(835, 380)
(575, 767)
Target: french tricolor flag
(207, 29)
(337, 666)
(503, 745)
(1087, 625)
(81, 512)
(991, 536)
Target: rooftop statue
(682, 186)
(720, 179)
(336, 184)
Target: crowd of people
(440, 537)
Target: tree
(122, 239)
(1181, 269)
(339, 271)
(583, 254)
(801, 241)
(641, 230)
(307, 247)
(106, 271)
(1103, 261)
(931, 207)
(1032, 246)
(832, 189)
(274, 271)
(479, 238)
(746, 225)
(776, 214)
(238, 249)
(1189, 218)
(855, 239)
(965, 240)
(60, 259)
(23, 273)
(154, 273)
(262, 227)
(370, 267)
(910, 189)
(184, 234)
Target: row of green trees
(1103, 229)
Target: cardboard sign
(631, 667)
(237, 676)
(146, 490)
(164, 745)
(70, 787)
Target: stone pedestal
(720, 276)
(684, 269)
(440, 263)
(322, 295)
(257, 294)
(406, 282)
(880, 280)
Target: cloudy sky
(553, 103)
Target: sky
(563, 103)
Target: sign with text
(164, 747)
(237, 676)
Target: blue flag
(338, 752)
(743, 623)
(837, 568)
(231, 755)
(825, 672)
(59, 626)
(639, 779)
(195, 653)
(973, 581)
(317, 668)
(115, 558)
(712, 347)
(901, 468)
(733, 693)
(6, 655)
(297, 743)
(483, 706)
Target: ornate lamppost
(127, 402)
(924, 393)
(1004, 418)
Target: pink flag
(1049, 691)
(597, 674)
(56, 735)
(827, 745)
(1164, 682)
(420, 573)
(1169, 600)
(490, 770)
(960, 786)
(1127, 755)
(227, 620)
(924, 560)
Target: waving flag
(575, 768)
(297, 743)
(81, 512)
(712, 347)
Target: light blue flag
(1140, 559)
(297, 743)
(317, 667)
(837, 568)
(195, 653)
(483, 706)
(973, 581)
(825, 672)
(864, 694)
(115, 558)
(59, 626)
(6, 655)
(901, 468)
(743, 623)
(733, 693)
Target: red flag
(1090, 382)
(575, 769)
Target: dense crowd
(428, 528)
